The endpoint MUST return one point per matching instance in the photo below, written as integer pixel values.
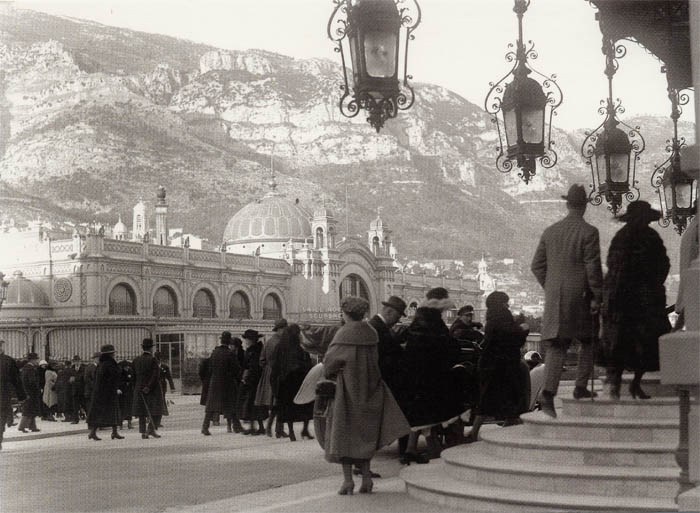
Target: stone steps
(614, 429)
(432, 484)
(515, 444)
(626, 407)
(479, 467)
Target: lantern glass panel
(510, 120)
(668, 197)
(533, 125)
(380, 53)
(354, 57)
(599, 163)
(619, 165)
(684, 195)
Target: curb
(39, 436)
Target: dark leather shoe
(154, 434)
(547, 404)
(144, 436)
(206, 432)
(583, 393)
(117, 436)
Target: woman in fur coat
(363, 416)
(104, 405)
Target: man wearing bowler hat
(31, 407)
(148, 396)
(9, 382)
(567, 265)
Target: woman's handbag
(325, 388)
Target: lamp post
(676, 190)
(611, 152)
(372, 31)
(522, 109)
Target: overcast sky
(460, 44)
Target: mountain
(94, 117)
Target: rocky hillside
(94, 117)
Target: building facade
(69, 296)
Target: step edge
(492, 438)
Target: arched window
(203, 304)
(165, 303)
(122, 300)
(319, 237)
(331, 237)
(353, 285)
(239, 306)
(272, 307)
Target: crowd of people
(379, 380)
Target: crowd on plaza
(380, 380)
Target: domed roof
(271, 218)
(22, 291)
(120, 227)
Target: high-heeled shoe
(347, 488)
(93, 436)
(366, 486)
(292, 436)
(117, 436)
(637, 392)
(281, 434)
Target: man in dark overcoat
(77, 387)
(567, 265)
(103, 410)
(224, 374)
(31, 407)
(89, 380)
(9, 382)
(148, 396)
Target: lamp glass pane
(619, 165)
(511, 127)
(599, 167)
(354, 57)
(533, 125)
(380, 53)
(683, 195)
(668, 197)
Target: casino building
(102, 285)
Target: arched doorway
(165, 303)
(122, 300)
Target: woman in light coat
(50, 396)
(363, 416)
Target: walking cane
(148, 411)
(595, 327)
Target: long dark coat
(126, 400)
(147, 375)
(204, 372)
(391, 363)
(104, 404)
(429, 357)
(31, 407)
(502, 389)
(9, 382)
(363, 416)
(567, 265)
(291, 364)
(78, 386)
(66, 403)
(264, 394)
(89, 381)
(634, 298)
(251, 376)
(224, 374)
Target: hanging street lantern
(522, 109)
(676, 184)
(372, 30)
(612, 152)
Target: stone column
(680, 351)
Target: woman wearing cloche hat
(104, 404)
(634, 299)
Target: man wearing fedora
(9, 382)
(77, 387)
(148, 397)
(31, 407)
(222, 389)
(89, 378)
(103, 410)
(252, 372)
(567, 265)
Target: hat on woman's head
(437, 293)
(226, 338)
(640, 211)
(354, 306)
(147, 343)
(77, 358)
(251, 335)
(32, 356)
(496, 299)
(107, 349)
(465, 310)
(43, 362)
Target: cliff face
(95, 117)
